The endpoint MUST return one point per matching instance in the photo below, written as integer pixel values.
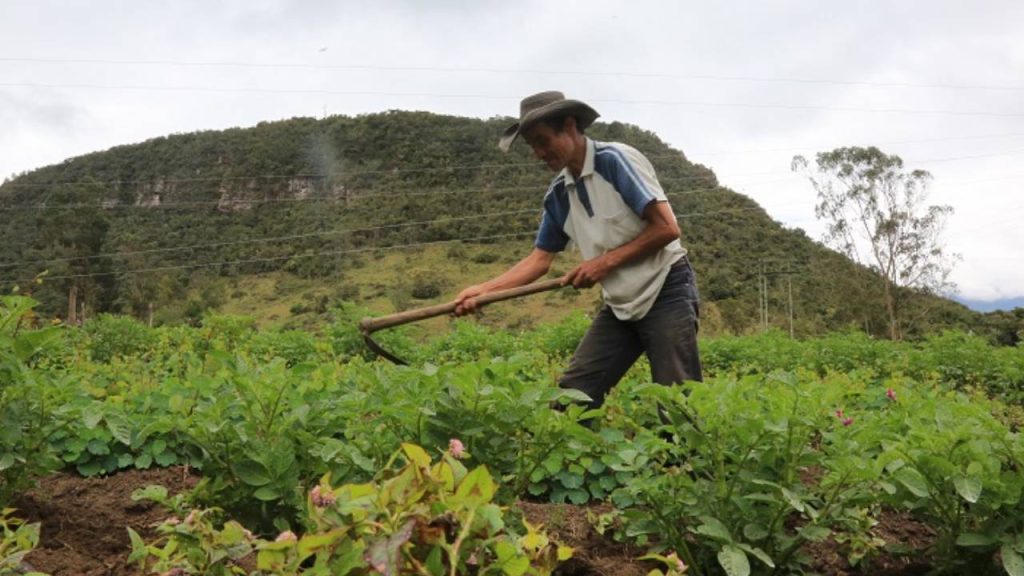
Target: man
(607, 200)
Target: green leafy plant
(948, 460)
(248, 425)
(753, 462)
(114, 336)
(733, 493)
(502, 410)
(190, 541)
(28, 407)
(423, 517)
(17, 539)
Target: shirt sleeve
(551, 237)
(633, 176)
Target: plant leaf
(974, 539)
(714, 528)
(968, 487)
(755, 532)
(792, 499)
(416, 455)
(759, 554)
(477, 487)
(913, 481)
(734, 561)
(139, 552)
(120, 427)
(1013, 563)
(252, 473)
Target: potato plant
(787, 442)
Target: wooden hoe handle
(371, 325)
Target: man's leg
(602, 358)
(669, 330)
(669, 335)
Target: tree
(74, 240)
(877, 215)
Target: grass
(383, 282)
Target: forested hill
(156, 222)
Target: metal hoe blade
(380, 351)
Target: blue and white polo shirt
(604, 210)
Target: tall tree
(877, 214)
(71, 228)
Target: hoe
(370, 325)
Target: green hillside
(287, 219)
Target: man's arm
(535, 265)
(661, 229)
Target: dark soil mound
(84, 519)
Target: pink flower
(456, 448)
(173, 521)
(847, 421)
(680, 566)
(839, 414)
(192, 517)
(287, 536)
(890, 394)
(322, 498)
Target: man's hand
(465, 303)
(535, 265)
(588, 273)
(660, 230)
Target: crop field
(290, 452)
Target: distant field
(385, 285)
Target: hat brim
(584, 114)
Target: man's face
(554, 148)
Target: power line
(321, 91)
(354, 250)
(363, 229)
(972, 157)
(477, 70)
(461, 167)
(694, 154)
(309, 175)
(376, 195)
(278, 258)
(387, 194)
(125, 254)
(725, 211)
(381, 195)
(15, 184)
(270, 239)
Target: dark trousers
(667, 334)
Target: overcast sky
(738, 86)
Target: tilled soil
(593, 553)
(84, 519)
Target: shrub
(26, 407)
(426, 285)
(116, 336)
(485, 257)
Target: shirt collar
(588, 164)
